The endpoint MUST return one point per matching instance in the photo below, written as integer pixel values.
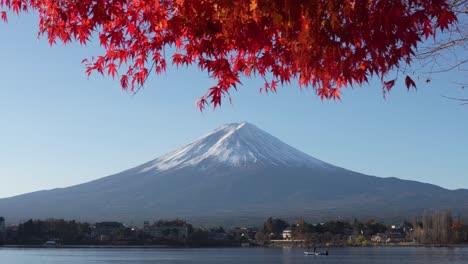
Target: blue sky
(57, 128)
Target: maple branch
(453, 67)
(465, 101)
(446, 45)
(146, 78)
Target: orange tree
(323, 44)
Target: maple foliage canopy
(323, 44)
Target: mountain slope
(236, 171)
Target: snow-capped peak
(236, 144)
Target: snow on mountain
(237, 145)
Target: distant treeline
(438, 227)
(37, 232)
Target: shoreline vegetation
(338, 245)
(435, 229)
(283, 244)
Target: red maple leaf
(409, 83)
(389, 85)
(4, 16)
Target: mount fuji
(236, 174)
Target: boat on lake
(315, 252)
(51, 243)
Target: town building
(217, 236)
(11, 233)
(287, 234)
(396, 234)
(173, 230)
(378, 238)
(243, 233)
(151, 230)
(103, 230)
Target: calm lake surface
(232, 255)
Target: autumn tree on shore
(326, 45)
(440, 228)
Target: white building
(175, 231)
(287, 234)
(151, 230)
(378, 238)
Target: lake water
(233, 255)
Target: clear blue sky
(57, 128)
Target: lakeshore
(441, 231)
(275, 244)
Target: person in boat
(315, 249)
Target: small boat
(308, 252)
(51, 243)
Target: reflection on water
(383, 255)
